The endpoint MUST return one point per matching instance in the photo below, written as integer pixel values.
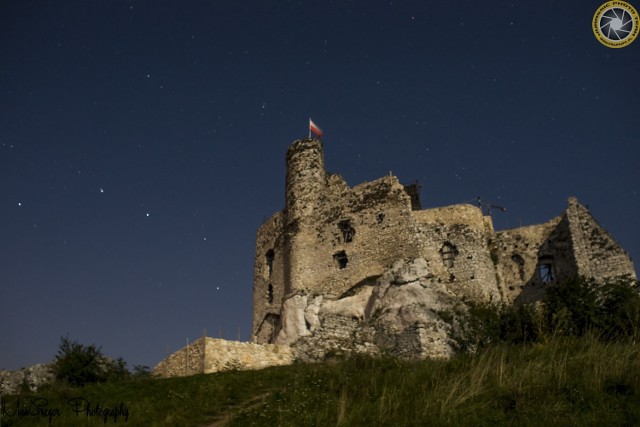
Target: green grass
(564, 382)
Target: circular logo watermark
(615, 24)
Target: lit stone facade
(333, 241)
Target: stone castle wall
(597, 253)
(208, 355)
(333, 241)
(268, 286)
(454, 240)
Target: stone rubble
(33, 377)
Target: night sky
(143, 142)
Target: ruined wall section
(338, 237)
(189, 360)
(223, 355)
(597, 254)
(359, 233)
(530, 259)
(268, 283)
(208, 355)
(516, 255)
(454, 241)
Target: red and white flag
(314, 128)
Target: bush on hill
(573, 308)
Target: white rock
(406, 272)
(311, 313)
(353, 306)
(293, 325)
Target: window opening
(380, 217)
(413, 190)
(347, 230)
(341, 259)
(269, 258)
(270, 293)
(448, 253)
(545, 269)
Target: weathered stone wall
(304, 188)
(268, 284)
(597, 253)
(208, 355)
(515, 254)
(336, 236)
(454, 240)
(367, 228)
(462, 214)
(572, 244)
(189, 360)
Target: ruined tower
(305, 187)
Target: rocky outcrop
(32, 377)
(407, 313)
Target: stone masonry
(327, 261)
(207, 355)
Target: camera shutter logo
(615, 24)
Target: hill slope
(563, 382)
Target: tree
(78, 365)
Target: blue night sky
(142, 143)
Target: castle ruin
(333, 241)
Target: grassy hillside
(566, 381)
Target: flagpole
(309, 127)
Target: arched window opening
(545, 269)
(270, 255)
(448, 253)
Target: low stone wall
(208, 355)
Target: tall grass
(565, 381)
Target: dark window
(413, 190)
(545, 269)
(448, 253)
(270, 293)
(269, 259)
(380, 217)
(341, 259)
(347, 230)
